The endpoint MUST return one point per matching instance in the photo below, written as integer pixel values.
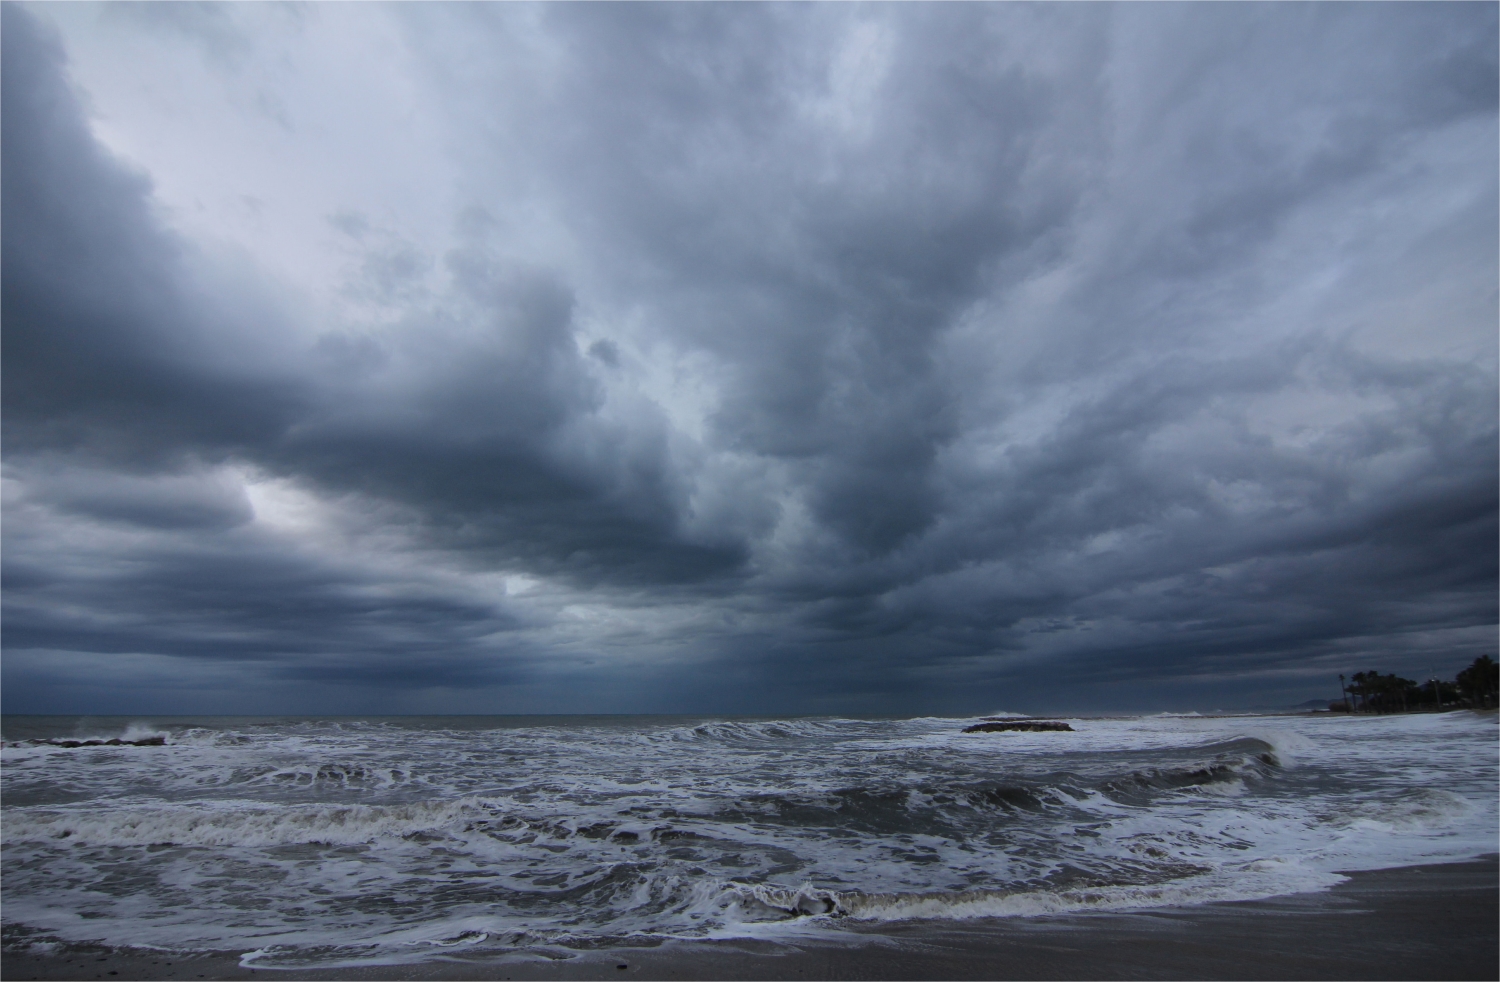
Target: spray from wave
(313, 841)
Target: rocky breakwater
(146, 741)
(1023, 725)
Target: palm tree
(1382, 693)
(1480, 682)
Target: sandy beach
(1416, 922)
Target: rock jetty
(150, 741)
(1024, 725)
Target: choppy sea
(396, 839)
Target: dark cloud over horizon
(744, 357)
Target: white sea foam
(1248, 881)
(216, 823)
(301, 838)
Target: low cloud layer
(766, 359)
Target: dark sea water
(395, 839)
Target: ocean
(321, 842)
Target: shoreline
(1411, 922)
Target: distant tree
(1480, 682)
(1359, 691)
(1382, 693)
(1404, 690)
(1438, 693)
(1361, 685)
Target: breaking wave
(299, 837)
(226, 824)
(133, 736)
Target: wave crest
(232, 824)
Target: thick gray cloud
(746, 358)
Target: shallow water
(399, 838)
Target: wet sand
(1416, 922)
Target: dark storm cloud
(1038, 344)
(110, 352)
(822, 273)
(482, 418)
(1382, 529)
(103, 346)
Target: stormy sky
(744, 358)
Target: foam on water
(316, 842)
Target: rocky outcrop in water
(1024, 725)
(150, 741)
